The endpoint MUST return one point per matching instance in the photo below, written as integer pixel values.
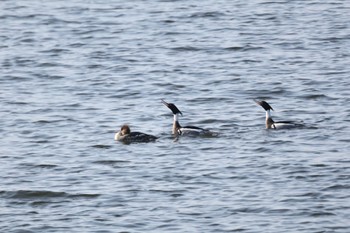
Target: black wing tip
(264, 104)
(172, 107)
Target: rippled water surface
(72, 72)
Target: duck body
(126, 136)
(271, 124)
(179, 130)
(193, 131)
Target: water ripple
(73, 73)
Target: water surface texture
(72, 72)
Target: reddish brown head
(125, 130)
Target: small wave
(251, 210)
(174, 33)
(76, 45)
(321, 214)
(46, 121)
(46, 166)
(262, 149)
(48, 64)
(336, 187)
(24, 194)
(84, 195)
(278, 211)
(333, 73)
(244, 48)
(172, 193)
(186, 48)
(42, 194)
(168, 21)
(100, 146)
(208, 14)
(16, 17)
(27, 40)
(41, 141)
(314, 96)
(110, 162)
(17, 103)
(55, 51)
(235, 48)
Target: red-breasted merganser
(178, 130)
(271, 124)
(125, 136)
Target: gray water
(72, 72)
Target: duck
(126, 136)
(271, 124)
(178, 130)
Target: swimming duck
(178, 130)
(271, 124)
(126, 136)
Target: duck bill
(172, 107)
(264, 105)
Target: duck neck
(176, 124)
(269, 121)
